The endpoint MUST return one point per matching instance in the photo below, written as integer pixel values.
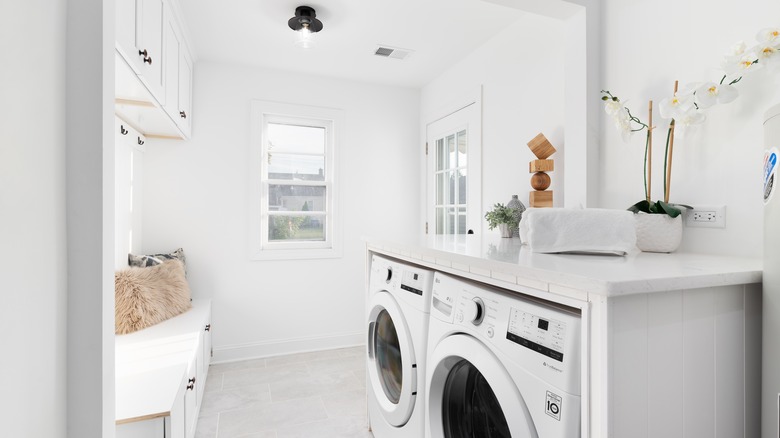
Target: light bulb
(304, 38)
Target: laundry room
(278, 219)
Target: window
(294, 181)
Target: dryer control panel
(543, 335)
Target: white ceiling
(255, 32)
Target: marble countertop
(509, 261)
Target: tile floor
(311, 395)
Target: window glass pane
(462, 186)
(304, 228)
(462, 220)
(441, 180)
(452, 158)
(296, 167)
(450, 188)
(451, 218)
(296, 138)
(296, 198)
(440, 155)
(462, 148)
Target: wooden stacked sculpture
(540, 180)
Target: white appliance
(500, 365)
(399, 301)
(770, 411)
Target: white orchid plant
(685, 109)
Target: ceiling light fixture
(305, 22)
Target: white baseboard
(279, 347)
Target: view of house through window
(297, 189)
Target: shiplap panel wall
(685, 363)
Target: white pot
(658, 232)
(506, 230)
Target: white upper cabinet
(139, 27)
(178, 77)
(154, 83)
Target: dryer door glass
(388, 356)
(470, 407)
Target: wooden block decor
(541, 147)
(541, 199)
(540, 180)
(541, 166)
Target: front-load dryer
(500, 364)
(399, 298)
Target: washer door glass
(470, 407)
(388, 356)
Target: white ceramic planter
(506, 230)
(658, 232)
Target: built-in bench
(161, 375)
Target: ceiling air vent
(392, 52)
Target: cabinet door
(172, 41)
(149, 31)
(191, 398)
(185, 91)
(126, 19)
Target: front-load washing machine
(399, 299)
(500, 364)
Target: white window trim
(260, 247)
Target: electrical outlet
(706, 216)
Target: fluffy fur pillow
(147, 296)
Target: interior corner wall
(197, 194)
(649, 45)
(521, 71)
(32, 224)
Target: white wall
(647, 45)
(522, 77)
(32, 223)
(197, 196)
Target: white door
(453, 172)
(471, 394)
(392, 368)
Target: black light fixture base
(305, 17)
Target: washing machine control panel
(537, 333)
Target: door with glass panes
(453, 173)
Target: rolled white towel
(589, 230)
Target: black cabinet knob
(191, 384)
(208, 327)
(183, 114)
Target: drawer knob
(143, 53)
(183, 114)
(191, 384)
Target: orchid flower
(622, 120)
(711, 93)
(689, 119)
(741, 65)
(675, 106)
(770, 35)
(767, 54)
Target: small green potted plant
(502, 217)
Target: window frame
(332, 120)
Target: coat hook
(123, 130)
(140, 142)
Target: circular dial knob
(475, 311)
